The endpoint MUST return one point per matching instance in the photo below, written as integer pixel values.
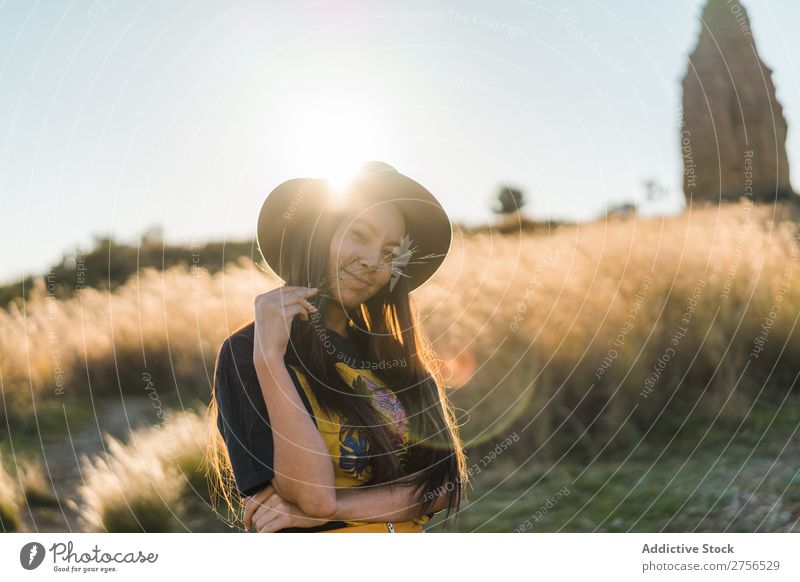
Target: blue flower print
(353, 457)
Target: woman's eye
(359, 235)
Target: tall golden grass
(147, 484)
(10, 501)
(156, 336)
(527, 322)
(523, 323)
(22, 484)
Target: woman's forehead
(381, 217)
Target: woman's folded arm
(303, 469)
(381, 503)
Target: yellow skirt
(380, 527)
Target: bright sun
(333, 138)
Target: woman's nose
(369, 262)
(366, 265)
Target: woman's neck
(337, 321)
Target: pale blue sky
(116, 115)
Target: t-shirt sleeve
(243, 420)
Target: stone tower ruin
(733, 133)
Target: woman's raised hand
(274, 312)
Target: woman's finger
(275, 525)
(300, 296)
(299, 291)
(308, 305)
(262, 496)
(253, 504)
(298, 310)
(267, 507)
(273, 507)
(269, 504)
(287, 295)
(267, 515)
(249, 511)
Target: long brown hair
(386, 329)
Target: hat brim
(290, 205)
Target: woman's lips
(358, 281)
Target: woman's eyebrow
(373, 229)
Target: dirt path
(61, 461)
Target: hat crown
(375, 167)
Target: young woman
(328, 404)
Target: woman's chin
(348, 298)
(352, 300)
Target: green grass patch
(730, 482)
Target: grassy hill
(602, 347)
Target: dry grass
(181, 444)
(156, 336)
(524, 322)
(35, 486)
(10, 500)
(146, 485)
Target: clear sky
(117, 115)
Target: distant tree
(654, 191)
(509, 200)
(623, 209)
(153, 235)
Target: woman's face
(361, 253)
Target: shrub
(10, 519)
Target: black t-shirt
(243, 420)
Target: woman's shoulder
(238, 346)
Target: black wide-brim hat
(300, 202)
